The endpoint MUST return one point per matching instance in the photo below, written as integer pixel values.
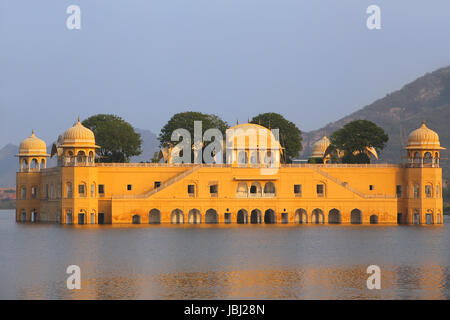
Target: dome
(423, 138)
(254, 135)
(33, 146)
(319, 148)
(78, 136)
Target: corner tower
(424, 177)
(78, 146)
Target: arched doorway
(136, 219)
(81, 218)
(92, 217)
(34, 216)
(154, 216)
(374, 219)
(211, 216)
(334, 216)
(317, 216)
(356, 216)
(194, 216)
(69, 219)
(270, 217)
(177, 216)
(256, 216)
(301, 216)
(242, 217)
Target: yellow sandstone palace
(80, 191)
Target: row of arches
(256, 216)
(32, 164)
(255, 189)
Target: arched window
(242, 157)
(68, 190)
(416, 158)
(92, 190)
(438, 191)
(34, 192)
(82, 189)
(255, 189)
(428, 191)
(23, 193)
(24, 164)
(428, 159)
(254, 157)
(269, 158)
(416, 191)
(81, 157)
(43, 164)
(91, 157)
(34, 164)
(242, 190)
(269, 188)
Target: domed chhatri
(78, 136)
(423, 138)
(319, 148)
(33, 146)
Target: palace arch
(301, 216)
(334, 216)
(356, 216)
(154, 216)
(256, 216)
(177, 216)
(242, 216)
(136, 219)
(194, 216)
(317, 216)
(270, 217)
(374, 219)
(211, 216)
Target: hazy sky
(312, 61)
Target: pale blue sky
(312, 61)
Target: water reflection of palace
(243, 190)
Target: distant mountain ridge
(425, 99)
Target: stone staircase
(163, 186)
(346, 186)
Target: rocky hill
(427, 98)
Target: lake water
(223, 261)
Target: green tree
(185, 120)
(355, 137)
(115, 136)
(290, 135)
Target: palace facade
(251, 187)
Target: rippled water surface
(223, 261)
